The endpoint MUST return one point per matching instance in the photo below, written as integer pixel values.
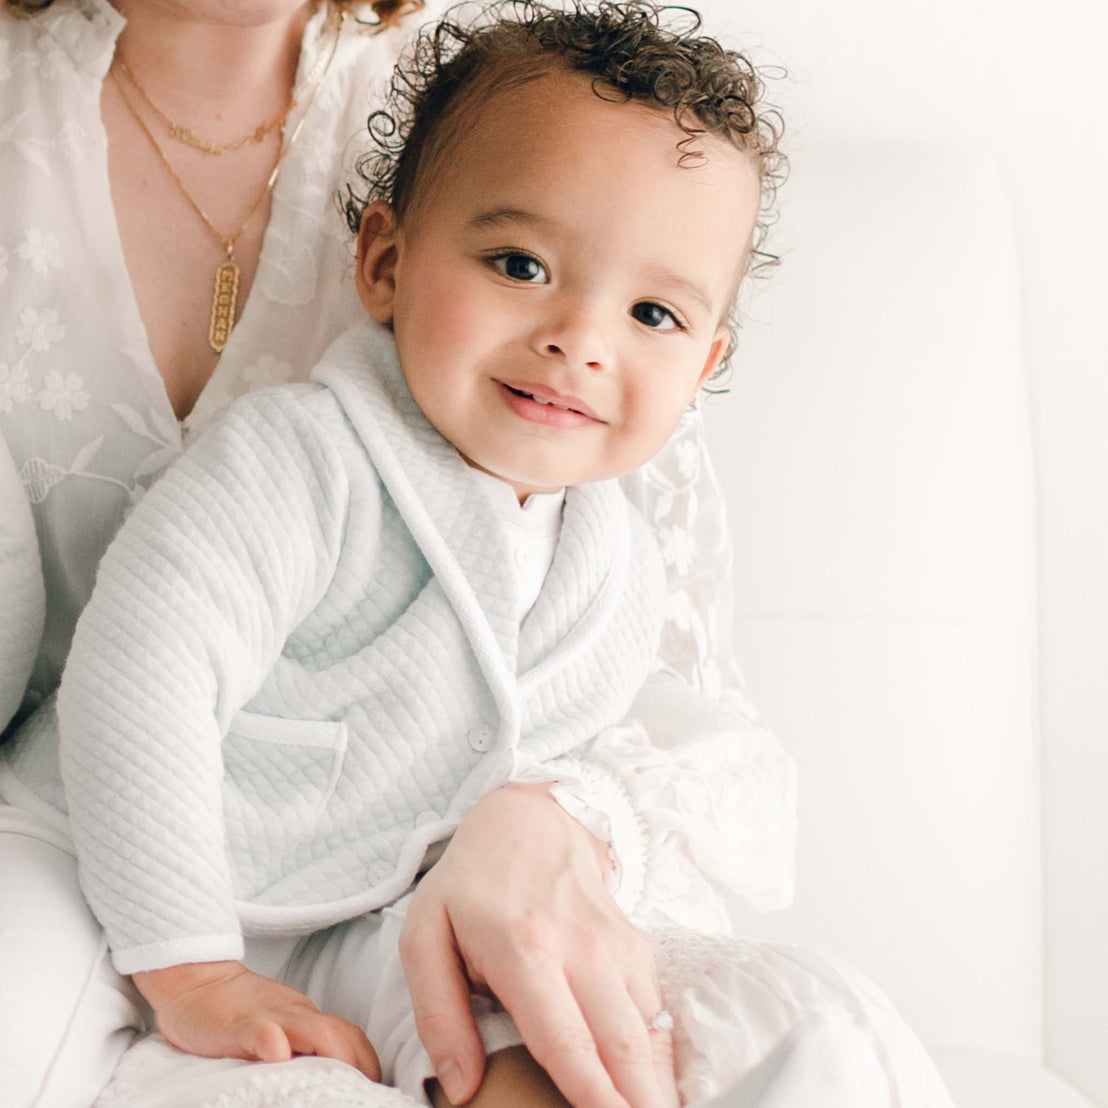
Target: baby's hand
(222, 1010)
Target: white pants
(758, 1025)
(66, 1016)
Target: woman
(169, 241)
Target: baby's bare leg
(513, 1079)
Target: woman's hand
(222, 1010)
(517, 907)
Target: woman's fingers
(623, 1041)
(646, 996)
(550, 1020)
(648, 1003)
(665, 1066)
(440, 991)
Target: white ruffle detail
(598, 800)
(697, 800)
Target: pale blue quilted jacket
(299, 667)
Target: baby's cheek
(437, 319)
(652, 415)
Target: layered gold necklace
(183, 134)
(225, 291)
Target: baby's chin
(560, 469)
(523, 487)
(527, 482)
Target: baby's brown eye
(521, 267)
(654, 315)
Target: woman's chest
(191, 227)
(84, 409)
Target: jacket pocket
(278, 776)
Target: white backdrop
(1022, 80)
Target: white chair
(876, 455)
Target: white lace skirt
(758, 1025)
(764, 1024)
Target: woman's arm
(22, 596)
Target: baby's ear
(377, 253)
(721, 344)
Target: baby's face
(560, 291)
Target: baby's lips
(539, 391)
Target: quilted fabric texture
(299, 668)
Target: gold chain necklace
(182, 134)
(225, 291)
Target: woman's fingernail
(450, 1078)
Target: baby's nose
(580, 336)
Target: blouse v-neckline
(94, 53)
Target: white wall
(1022, 80)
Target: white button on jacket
(480, 737)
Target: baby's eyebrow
(495, 217)
(667, 277)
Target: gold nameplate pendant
(223, 305)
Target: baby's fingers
(264, 1041)
(331, 1037)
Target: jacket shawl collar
(462, 538)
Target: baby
(357, 606)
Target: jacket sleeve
(193, 603)
(22, 596)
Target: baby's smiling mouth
(540, 400)
(549, 398)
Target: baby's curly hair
(634, 50)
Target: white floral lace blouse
(89, 424)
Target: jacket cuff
(178, 952)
